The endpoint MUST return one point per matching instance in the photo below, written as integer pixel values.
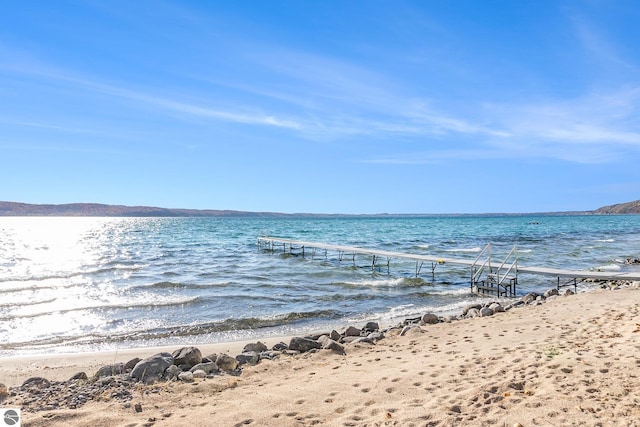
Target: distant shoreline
(13, 209)
(104, 210)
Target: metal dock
(500, 278)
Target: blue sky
(321, 106)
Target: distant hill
(620, 208)
(96, 209)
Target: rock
(186, 376)
(411, 321)
(450, 318)
(361, 340)
(251, 357)
(485, 312)
(351, 331)
(209, 358)
(496, 307)
(128, 367)
(410, 328)
(138, 407)
(189, 356)
(349, 340)
(255, 347)
(199, 373)
(79, 376)
(280, 347)
(207, 367)
(335, 335)
(305, 344)
(269, 354)
(568, 292)
(37, 382)
(465, 311)
(551, 292)
(430, 319)
(473, 312)
(529, 298)
(3, 392)
(226, 362)
(110, 370)
(375, 336)
(370, 327)
(152, 368)
(172, 372)
(329, 344)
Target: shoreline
(567, 361)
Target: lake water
(87, 284)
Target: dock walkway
(476, 265)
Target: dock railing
(482, 262)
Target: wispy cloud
(321, 97)
(48, 72)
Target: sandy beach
(573, 360)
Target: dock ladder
(501, 280)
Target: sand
(572, 361)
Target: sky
(328, 106)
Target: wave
(374, 282)
(605, 240)
(609, 267)
(226, 325)
(180, 285)
(107, 306)
(69, 275)
(26, 303)
(476, 249)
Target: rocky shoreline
(122, 382)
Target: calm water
(85, 284)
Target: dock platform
(500, 278)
